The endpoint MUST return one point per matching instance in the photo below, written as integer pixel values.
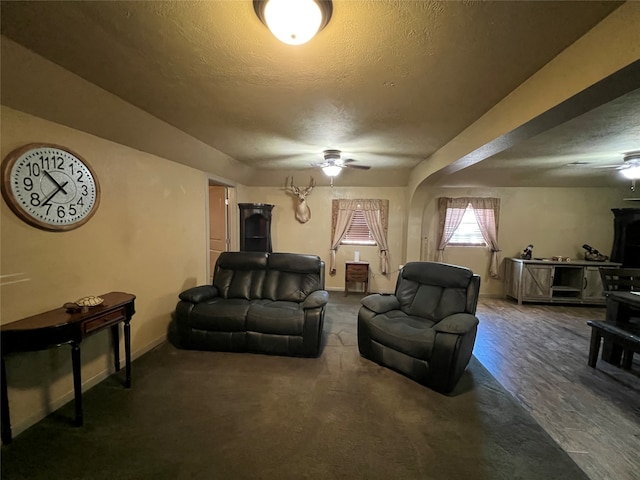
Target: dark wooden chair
(620, 279)
(625, 336)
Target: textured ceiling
(387, 82)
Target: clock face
(50, 187)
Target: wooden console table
(58, 327)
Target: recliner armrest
(199, 294)
(458, 323)
(316, 299)
(381, 303)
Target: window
(471, 221)
(468, 232)
(358, 232)
(360, 222)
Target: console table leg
(127, 352)
(77, 382)
(6, 420)
(115, 338)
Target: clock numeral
(35, 199)
(80, 202)
(79, 179)
(72, 209)
(34, 169)
(85, 190)
(60, 211)
(28, 184)
(53, 162)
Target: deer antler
(295, 189)
(312, 183)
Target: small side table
(356, 272)
(59, 327)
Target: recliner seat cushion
(282, 318)
(411, 335)
(220, 315)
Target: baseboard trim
(55, 404)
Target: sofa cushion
(292, 277)
(240, 274)
(282, 318)
(434, 292)
(220, 315)
(413, 336)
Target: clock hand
(48, 199)
(54, 181)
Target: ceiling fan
(334, 163)
(630, 167)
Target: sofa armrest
(316, 299)
(199, 294)
(458, 323)
(381, 303)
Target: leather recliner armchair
(427, 329)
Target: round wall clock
(49, 186)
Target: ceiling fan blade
(359, 167)
(617, 167)
(348, 160)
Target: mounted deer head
(303, 213)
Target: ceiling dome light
(632, 173)
(332, 170)
(294, 21)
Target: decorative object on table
(303, 212)
(561, 259)
(593, 254)
(49, 187)
(527, 253)
(83, 304)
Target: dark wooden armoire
(255, 227)
(626, 237)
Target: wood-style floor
(539, 354)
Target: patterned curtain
(372, 214)
(342, 215)
(487, 212)
(450, 212)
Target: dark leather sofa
(259, 302)
(427, 329)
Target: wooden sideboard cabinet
(555, 282)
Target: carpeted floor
(213, 415)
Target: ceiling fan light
(632, 173)
(293, 21)
(332, 170)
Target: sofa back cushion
(240, 274)
(292, 277)
(433, 290)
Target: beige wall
(314, 237)
(557, 221)
(147, 238)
